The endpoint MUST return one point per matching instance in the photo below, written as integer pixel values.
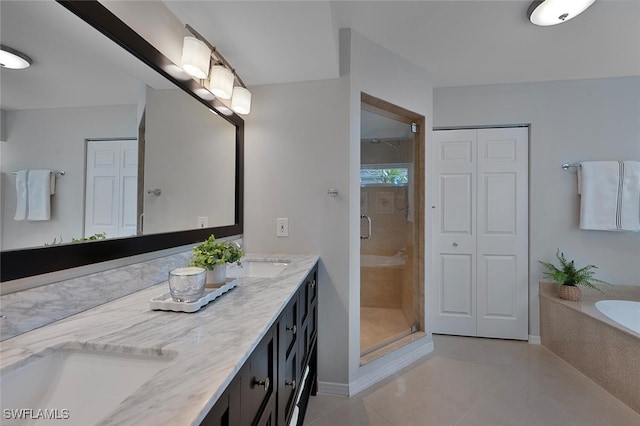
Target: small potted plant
(569, 278)
(213, 256)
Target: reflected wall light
(223, 79)
(553, 12)
(195, 57)
(13, 59)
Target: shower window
(385, 174)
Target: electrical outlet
(282, 227)
(203, 222)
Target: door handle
(366, 237)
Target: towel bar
(55, 172)
(566, 166)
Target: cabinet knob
(312, 284)
(293, 329)
(266, 382)
(291, 383)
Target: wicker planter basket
(569, 292)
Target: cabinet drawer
(289, 326)
(287, 386)
(258, 380)
(312, 286)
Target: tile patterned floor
(480, 382)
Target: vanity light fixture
(13, 59)
(195, 57)
(553, 12)
(241, 100)
(223, 79)
(221, 82)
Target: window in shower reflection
(391, 283)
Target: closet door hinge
(415, 128)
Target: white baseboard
(388, 368)
(333, 389)
(534, 340)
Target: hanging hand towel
(630, 197)
(39, 194)
(608, 190)
(21, 195)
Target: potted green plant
(213, 255)
(568, 277)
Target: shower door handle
(366, 237)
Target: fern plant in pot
(569, 278)
(213, 256)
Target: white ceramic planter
(217, 275)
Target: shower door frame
(381, 107)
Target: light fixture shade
(13, 59)
(221, 83)
(553, 12)
(241, 100)
(195, 57)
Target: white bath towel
(610, 195)
(39, 195)
(21, 195)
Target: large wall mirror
(148, 164)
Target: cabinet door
(258, 380)
(288, 369)
(226, 412)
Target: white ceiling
(459, 42)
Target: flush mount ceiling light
(195, 57)
(223, 78)
(13, 59)
(553, 12)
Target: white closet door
(129, 193)
(480, 271)
(111, 188)
(454, 269)
(502, 296)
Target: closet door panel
(452, 308)
(502, 280)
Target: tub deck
(605, 351)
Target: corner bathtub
(624, 312)
(599, 335)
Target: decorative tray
(166, 303)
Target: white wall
(54, 138)
(571, 121)
(302, 139)
(297, 147)
(190, 156)
(379, 72)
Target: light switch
(282, 227)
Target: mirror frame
(41, 260)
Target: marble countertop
(211, 344)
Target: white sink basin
(255, 268)
(80, 385)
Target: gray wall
(54, 138)
(571, 121)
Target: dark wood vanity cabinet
(268, 387)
